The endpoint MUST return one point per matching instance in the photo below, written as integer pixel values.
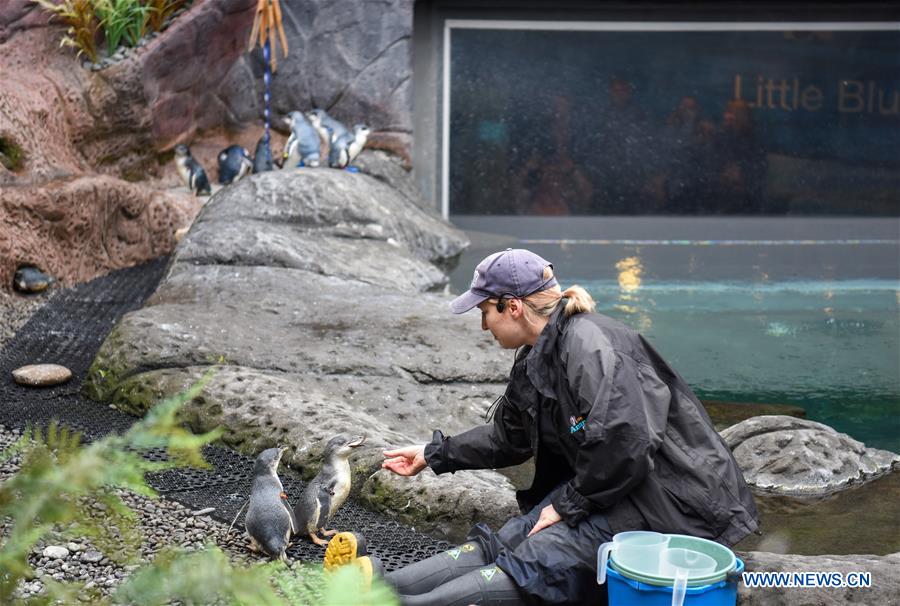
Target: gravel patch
(15, 310)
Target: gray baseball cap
(508, 274)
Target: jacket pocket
(690, 485)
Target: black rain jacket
(637, 445)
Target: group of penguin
(270, 520)
(309, 133)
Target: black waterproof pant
(558, 565)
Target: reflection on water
(630, 270)
(629, 274)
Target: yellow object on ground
(346, 548)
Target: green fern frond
(60, 482)
(203, 577)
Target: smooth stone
(41, 375)
(91, 556)
(55, 552)
(785, 455)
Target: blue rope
(267, 79)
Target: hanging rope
(267, 21)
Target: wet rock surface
(791, 456)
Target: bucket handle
(602, 559)
(679, 589)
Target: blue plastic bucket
(625, 592)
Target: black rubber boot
(488, 586)
(425, 575)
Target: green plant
(121, 19)
(78, 15)
(201, 577)
(59, 476)
(309, 584)
(11, 155)
(160, 10)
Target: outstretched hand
(549, 517)
(407, 461)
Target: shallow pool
(829, 346)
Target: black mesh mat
(69, 330)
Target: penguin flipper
(200, 183)
(325, 494)
(295, 528)
(306, 512)
(334, 155)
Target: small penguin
(302, 146)
(30, 279)
(327, 491)
(262, 159)
(190, 170)
(328, 128)
(234, 164)
(270, 521)
(345, 149)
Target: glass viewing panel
(674, 122)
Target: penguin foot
(318, 541)
(328, 533)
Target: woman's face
(504, 326)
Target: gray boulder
(791, 456)
(313, 294)
(885, 588)
(389, 169)
(322, 203)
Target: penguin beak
(359, 441)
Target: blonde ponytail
(579, 301)
(545, 302)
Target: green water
(828, 346)
(865, 519)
